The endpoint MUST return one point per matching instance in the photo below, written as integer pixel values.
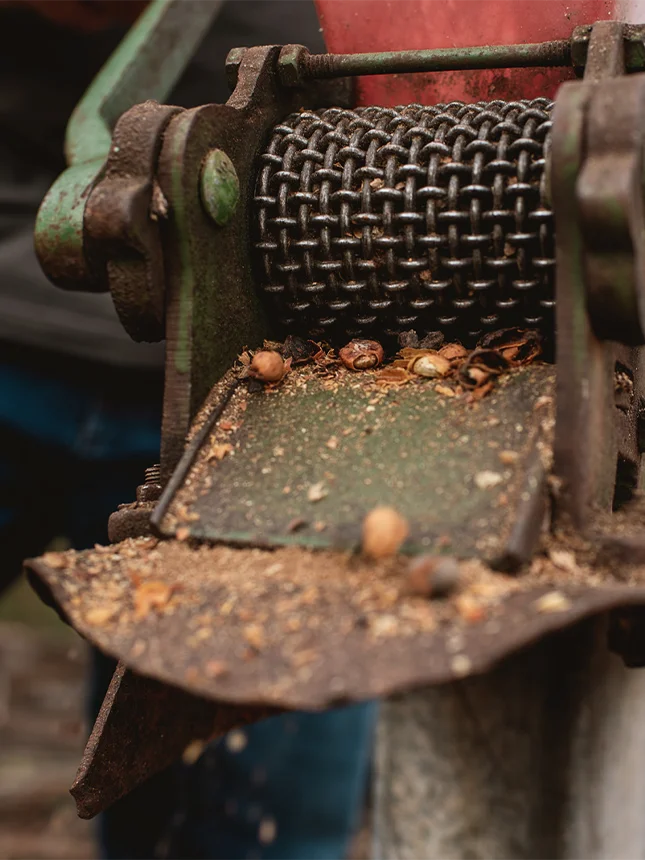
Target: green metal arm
(146, 65)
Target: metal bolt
(291, 63)
(219, 186)
(233, 61)
(153, 474)
(151, 488)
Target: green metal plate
(312, 457)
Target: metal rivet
(219, 186)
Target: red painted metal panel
(352, 26)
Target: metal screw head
(290, 65)
(233, 61)
(219, 186)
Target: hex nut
(290, 64)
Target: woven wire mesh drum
(378, 220)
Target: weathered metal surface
(208, 415)
(605, 51)
(412, 448)
(142, 727)
(299, 629)
(630, 53)
(335, 92)
(133, 519)
(596, 438)
(612, 209)
(380, 220)
(59, 236)
(146, 65)
(295, 628)
(151, 489)
(130, 520)
(585, 423)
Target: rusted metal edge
(378, 666)
(144, 726)
(185, 464)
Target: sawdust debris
(317, 492)
(219, 451)
(552, 601)
(150, 595)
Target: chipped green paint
(58, 235)
(146, 65)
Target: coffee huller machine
(237, 586)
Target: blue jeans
(75, 446)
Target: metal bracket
(609, 192)
(593, 60)
(212, 307)
(121, 220)
(597, 195)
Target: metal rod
(556, 53)
(185, 464)
(168, 29)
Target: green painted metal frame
(146, 65)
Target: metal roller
(378, 220)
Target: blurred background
(43, 667)
(80, 415)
